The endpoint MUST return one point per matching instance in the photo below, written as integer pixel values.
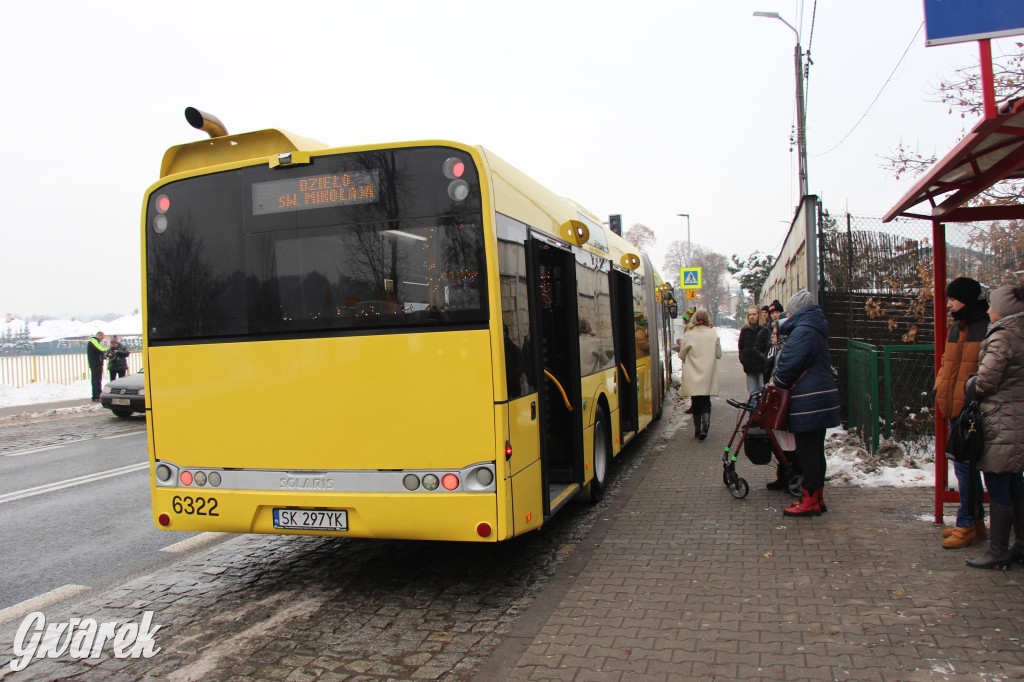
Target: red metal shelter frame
(991, 152)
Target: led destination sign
(316, 191)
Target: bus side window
(520, 374)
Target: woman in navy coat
(805, 368)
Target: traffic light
(615, 223)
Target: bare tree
(640, 236)
(961, 93)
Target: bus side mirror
(673, 311)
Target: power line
(882, 89)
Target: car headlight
(106, 389)
(142, 391)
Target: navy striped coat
(814, 400)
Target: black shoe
(688, 410)
(777, 484)
(95, 400)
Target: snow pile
(895, 464)
(44, 393)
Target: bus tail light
(508, 450)
(454, 167)
(483, 530)
(164, 520)
(185, 477)
(450, 481)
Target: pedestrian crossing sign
(689, 278)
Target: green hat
(690, 312)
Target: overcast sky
(647, 109)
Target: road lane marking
(122, 435)
(36, 603)
(18, 453)
(71, 482)
(195, 542)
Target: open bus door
(552, 285)
(625, 351)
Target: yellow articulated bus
(407, 340)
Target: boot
(998, 554)
(1017, 551)
(705, 424)
(696, 425)
(961, 537)
(821, 499)
(808, 506)
(979, 531)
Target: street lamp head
(770, 15)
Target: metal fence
(23, 370)
(876, 287)
(888, 393)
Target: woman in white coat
(699, 351)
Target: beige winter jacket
(1000, 386)
(699, 351)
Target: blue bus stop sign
(960, 21)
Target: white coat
(699, 351)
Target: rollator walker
(760, 446)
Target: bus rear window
(385, 239)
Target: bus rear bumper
(466, 517)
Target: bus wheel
(602, 457)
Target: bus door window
(557, 333)
(627, 347)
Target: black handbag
(965, 438)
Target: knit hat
(800, 300)
(964, 289)
(776, 307)
(765, 309)
(689, 313)
(1005, 301)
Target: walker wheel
(740, 489)
(795, 487)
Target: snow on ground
(44, 393)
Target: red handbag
(772, 409)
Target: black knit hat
(964, 289)
(776, 307)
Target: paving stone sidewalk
(684, 582)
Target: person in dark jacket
(999, 388)
(117, 360)
(775, 312)
(753, 349)
(805, 368)
(95, 351)
(960, 361)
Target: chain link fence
(876, 287)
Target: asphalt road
(77, 513)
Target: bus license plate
(304, 519)
(120, 401)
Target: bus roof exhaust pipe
(208, 123)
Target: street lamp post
(801, 130)
(689, 256)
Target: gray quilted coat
(1000, 386)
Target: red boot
(808, 506)
(821, 499)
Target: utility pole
(801, 114)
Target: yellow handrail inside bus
(561, 390)
(623, 368)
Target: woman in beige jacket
(699, 351)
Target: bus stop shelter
(992, 152)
